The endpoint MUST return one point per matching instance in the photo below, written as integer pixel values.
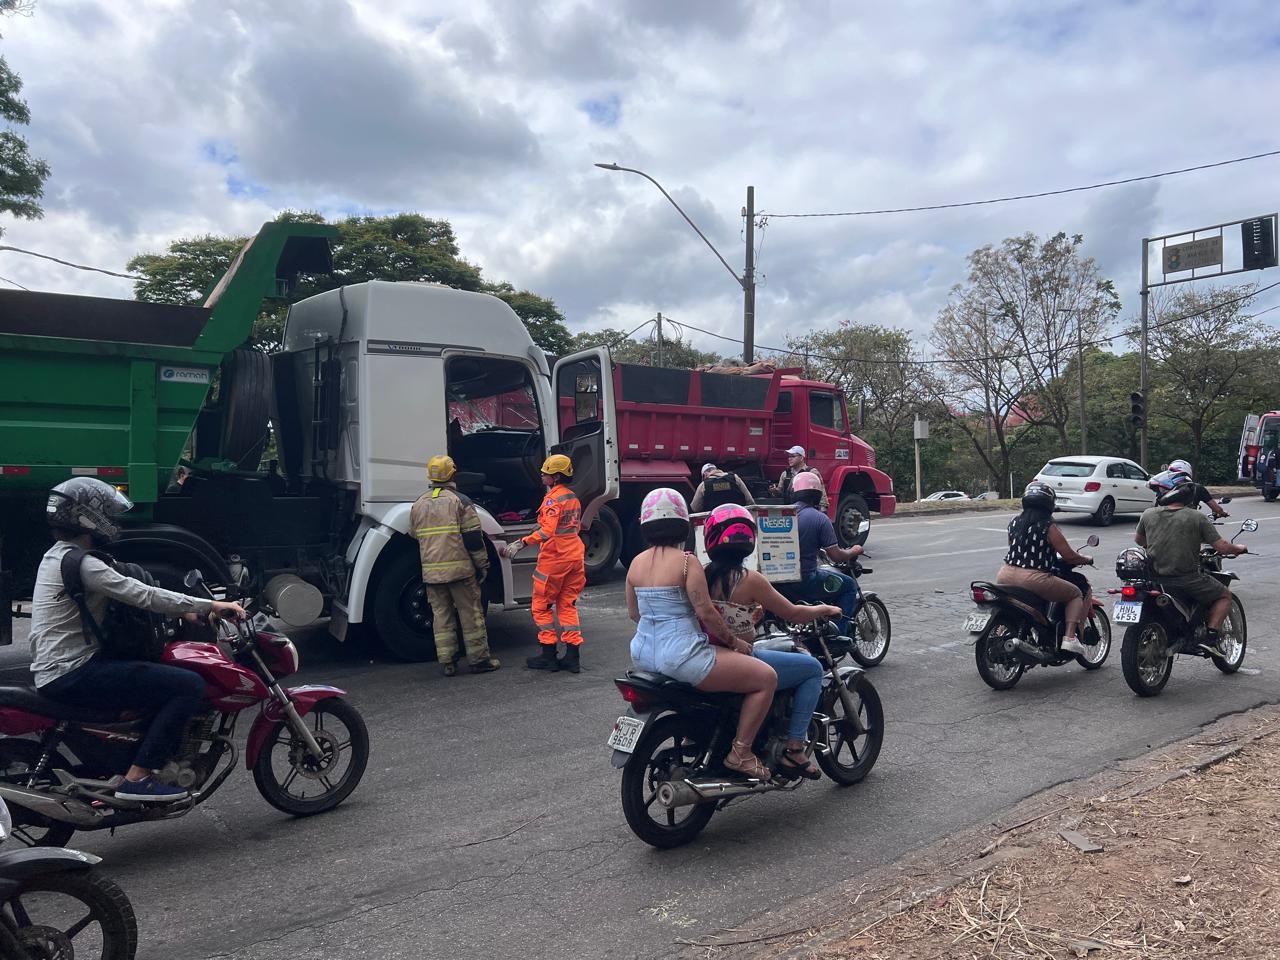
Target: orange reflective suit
(560, 574)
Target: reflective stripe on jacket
(450, 544)
(559, 520)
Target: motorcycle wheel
(1100, 650)
(999, 668)
(80, 914)
(848, 760)
(1142, 657)
(284, 760)
(671, 742)
(17, 758)
(872, 632)
(1235, 628)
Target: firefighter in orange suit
(560, 575)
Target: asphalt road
(489, 826)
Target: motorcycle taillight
(1128, 591)
(630, 694)
(982, 596)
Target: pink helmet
(663, 504)
(806, 480)
(730, 532)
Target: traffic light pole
(1142, 368)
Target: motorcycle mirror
(1224, 499)
(193, 579)
(1249, 526)
(1093, 540)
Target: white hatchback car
(1101, 486)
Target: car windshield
(1064, 469)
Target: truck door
(585, 424)
(1249, 446)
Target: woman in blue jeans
(740, 595)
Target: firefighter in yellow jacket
(454, 563)
(560, 574)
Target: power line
(68, 263)
(15, 283)
(995, 357)
(1028, 196)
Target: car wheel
(1106, 513)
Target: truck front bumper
(888, 504)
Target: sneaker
(1072, 645)
(1213, 644)
(150, 790)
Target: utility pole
(1142, 369)
(659, 363)
(749, 282)
(1084, 427)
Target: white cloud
(169, 118)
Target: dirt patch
(1189, 866)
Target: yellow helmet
(441, 469)
(558, 463)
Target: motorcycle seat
(31, 700)
(1016, 593)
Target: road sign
(922, 429)
(1193, 255)
(1258, 240)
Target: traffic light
(1137, 410)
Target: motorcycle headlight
(832, 584)
(6, 822)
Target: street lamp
(747, 281)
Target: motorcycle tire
(649, 766)
(1233, 661)
(1102, 624)
(108, 931)
(858, 764)
(17, 758)
(10, 945)
(275, 789)
(872, 619)
(998, 668)
(1146, 668)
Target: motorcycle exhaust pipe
(62, 809)
(682, 793)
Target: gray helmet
(87, 505)
(1039, 496)
(1172, 487)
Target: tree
(676, 351)
(22, 176)
(402, 247)
(1206, 352)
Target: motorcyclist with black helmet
(1035, 544)
(65, 657)
(1172, 535)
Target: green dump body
(112, 388)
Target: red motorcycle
(307, 748)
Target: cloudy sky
(170, 118)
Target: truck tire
(402, 618)
(603, 543)
(632, 543)
(850, 513)
(248, 407)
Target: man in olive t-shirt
(1172, 535)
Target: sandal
(796, 762)
(742, 760)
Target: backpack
(126, 633)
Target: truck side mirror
(193, 579)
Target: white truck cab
(388, 375)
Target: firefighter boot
(545, 660)
(570, 659)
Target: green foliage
(401, 247)
(676, 351)
(22, 176)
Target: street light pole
(747, 281)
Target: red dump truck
(671, 421)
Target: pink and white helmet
(663, 504)
(806, 480)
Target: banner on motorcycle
(777, 553)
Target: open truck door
(587, 426)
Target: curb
(889, 891)
(980, 507)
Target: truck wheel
(632, 543)
(603, 544)
(850, 513)
(1269, 491)
(402, 617)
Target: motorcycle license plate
(626, 731)
(977, 622)
(1126, 611)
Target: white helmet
(1180, 466)
(663, 504)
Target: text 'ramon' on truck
(373, 379)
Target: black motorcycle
(1163, 624)
(54, 905)
(1014, 629)
(871, 627)
(672, 743)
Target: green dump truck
(373, 379)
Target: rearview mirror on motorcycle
(1248, 526)
(1224, 500)
(1093, 540)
